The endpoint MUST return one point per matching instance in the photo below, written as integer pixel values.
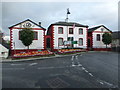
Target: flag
(73, 25)
(68, 12)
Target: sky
(89, 13)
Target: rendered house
(66, 34)
(3, 49)
(95, 38)
(15, 43)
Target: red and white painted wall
(95, 38)
(15, 43)
(59, 32)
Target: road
(88, 70)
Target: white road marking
(33, 64)
(15, 64)
(76, 57)
(86, 71)
(72, 58)
(53, 67)
(101, 83)
(83, 68)
(90, 74)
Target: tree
(107, 38)
(27, 36)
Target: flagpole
(67, 26)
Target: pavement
(88, 70)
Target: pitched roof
(94, 28)
(69, 24)
(30, 21)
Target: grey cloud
(49, 12)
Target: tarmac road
(89, 70)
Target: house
(95, 38)
(3, 49)
(116, 41)
(66, 35)
(16, 44)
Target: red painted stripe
(32, 28)
(100, 32)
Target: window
(35, 35)
(80, 31)
(70, 30)
(80, 41)
(98, 37)
(60, 30)
(70, 38)
(60, 41)
(102, 29)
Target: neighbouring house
(16, 44)
(66, 35)
(95, 38)
(116, 41)
(3, 49)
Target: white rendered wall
(76, 36)
(4, 50)
(37, 44)
(99, 44)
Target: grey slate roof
(69, 24)
(30, 21)
(94, 28)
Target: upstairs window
(98, 37)
(60, 30)
(80, 31)
(70, 30)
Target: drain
(57, 83)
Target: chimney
(39, 23)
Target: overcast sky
(86, 13)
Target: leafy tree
(27, 36)
(107, 38)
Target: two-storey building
(66, 35)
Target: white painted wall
(99, 44)
(37, 44)
(4, 50)
(76, 36)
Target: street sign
(74, 42)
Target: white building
(95, 37)
(3, 51)
(16, 44)
(66, 34)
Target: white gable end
(27, 24)
(102, 29)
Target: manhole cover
(57, 83)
